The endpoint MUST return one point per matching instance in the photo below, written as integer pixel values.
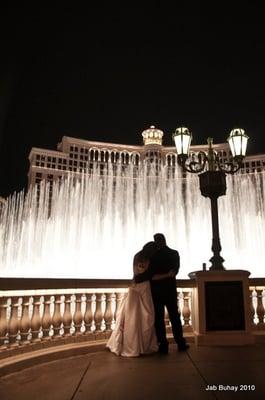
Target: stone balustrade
(46, 316)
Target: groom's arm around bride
(164, 261)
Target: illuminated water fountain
(98, 223)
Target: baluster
(46, 318)
(67, 315)
(166, 319)
(260, 309)
(252, 308)
(108, 311)
(13, 324)
(78, 316)
(118, 299)
(36, 320)
(180, 305)
(3, 321)
(88, 317)
(57, 317)
(98, 312)
(24, 325)
(186, 312)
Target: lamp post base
(217, 263)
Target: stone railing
(38, 318)
(35, 318)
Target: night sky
(107, 74)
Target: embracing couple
(140, 325)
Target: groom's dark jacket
(162, 262)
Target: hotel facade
(79, 155)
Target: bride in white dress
(134, 332)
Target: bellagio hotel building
(79, 155)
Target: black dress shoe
(183, 347)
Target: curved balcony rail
(47, 312)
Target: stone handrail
(47, 283)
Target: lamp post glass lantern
(212, 175)
(182, 138)
(238, 143)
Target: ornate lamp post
(212, 174)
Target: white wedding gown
(134, 332)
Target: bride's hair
(149, 249)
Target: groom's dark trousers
(164, 294)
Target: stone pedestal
(221, 308)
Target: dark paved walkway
(176, 376)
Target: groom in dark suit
(164, 293)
